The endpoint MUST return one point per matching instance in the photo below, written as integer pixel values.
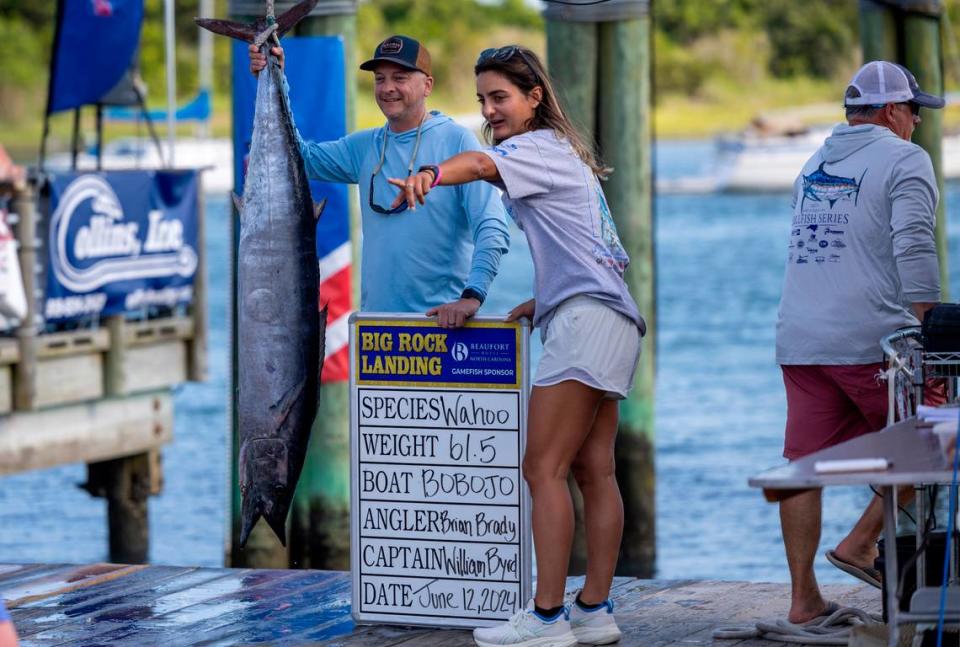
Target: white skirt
(590, 342)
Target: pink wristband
(433, 169)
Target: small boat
(767, 157)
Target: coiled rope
(825, 630)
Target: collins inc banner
(120, 242)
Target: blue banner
(120, 242)
(94, 45)
(422, 353)
(314, 67)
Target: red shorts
(827, 405)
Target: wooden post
(572, 61)
(923, 55)
(624, 135)
(127, 483)
(878, 31)
(908, 32)
(320, 515)
(319, 528)
(25, 372)
(116, 375)
(200, 307)
(599, 57)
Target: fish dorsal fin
(318, 208)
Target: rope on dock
(825, 630)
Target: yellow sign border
(431, 324)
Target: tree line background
(725, 58)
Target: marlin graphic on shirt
(820, 186)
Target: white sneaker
(527, 629)
(596, 627)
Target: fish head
(265, 487)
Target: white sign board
(440, 531)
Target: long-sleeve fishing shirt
(862, 247)
(416, 259)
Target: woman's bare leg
(595, 471)
(560, 418)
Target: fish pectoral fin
(318, 208)
(228, 28)
(237, 202)
(285, 404)
(293, 15)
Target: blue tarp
(315, 72)
(94, 45)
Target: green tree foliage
(810, 38)
(815, 38)
(25, 66)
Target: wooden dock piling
(908, 32)
(319, 526)
(600, 59)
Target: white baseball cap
(882, 82)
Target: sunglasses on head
(504, 54)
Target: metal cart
(910, 369)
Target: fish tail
(249, 33)
(240, 31)
(293, 15)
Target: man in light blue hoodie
(862, 262)
(440, 258)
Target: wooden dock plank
(18, 572)
(62, 581)
(105, 604)
(129, 596)
(246, 602)
(111, 625)
(304, 617)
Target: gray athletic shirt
(557, 201)
(861, 250)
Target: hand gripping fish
(280, 343)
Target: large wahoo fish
(280, 344)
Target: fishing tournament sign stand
(440, 515)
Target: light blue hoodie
(416, 259)
(862, 247)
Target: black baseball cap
(403, 51)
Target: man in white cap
(862, 262)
